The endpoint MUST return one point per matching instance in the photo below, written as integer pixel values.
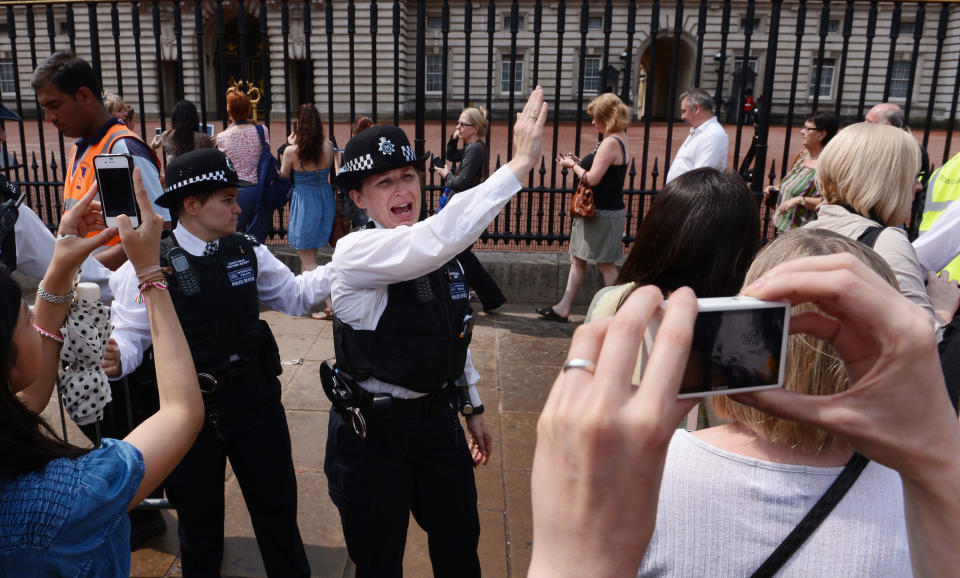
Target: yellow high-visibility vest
(944, 189)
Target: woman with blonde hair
(599, 238)
(867, 176)
(472, 126)
(732, 493)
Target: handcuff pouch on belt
(341, 395)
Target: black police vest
(8, 219)
(421, 339)
(223, 318)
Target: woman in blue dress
(312, 208)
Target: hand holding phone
(115, 181)
(739, 345)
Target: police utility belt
(263, 364)
(359, 405)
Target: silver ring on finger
(577, 363)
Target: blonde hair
(812, 365)
(872, 168)
(609, 111)
(478, 116)
(114, 104)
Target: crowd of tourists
(851, 468)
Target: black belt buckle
(211, 383)
(382, 406)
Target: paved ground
(518, 356)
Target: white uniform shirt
(368, 261)
(941, 243)
(705, 147)
(277, 288)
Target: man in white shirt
(216, 278)
(708, 142)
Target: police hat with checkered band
(198, 171)
(376, 150)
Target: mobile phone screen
(735, 349)
(116, 191)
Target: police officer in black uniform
(216, 278)
(401, 330)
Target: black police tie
(210, 249)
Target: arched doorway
(663, 67)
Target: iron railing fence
(352, 58)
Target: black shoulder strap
(869, 237)
(814, 517)
(167, 242)
(623, 150)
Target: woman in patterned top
(799, 199)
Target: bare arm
(111, 257)
(166, 436)
(289, 157)
(607, 155)
(68, 254)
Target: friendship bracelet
(47, 334)
(55, 299)
(151, 278)
(146, 286)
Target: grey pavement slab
(518, 356)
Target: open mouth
(403, 211)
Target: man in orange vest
(69, 91)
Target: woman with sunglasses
(471, 128)
(799, 199)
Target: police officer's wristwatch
(471, 410)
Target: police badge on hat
(372, 152)
(386, 147)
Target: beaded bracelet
(55, 299)
(47, 334)
(148, 285)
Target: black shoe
(145, 524)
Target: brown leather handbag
(583, 204)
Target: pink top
(242, 145)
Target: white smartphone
(157, 131)
(739, 345)
(209, 128)
(115, 180)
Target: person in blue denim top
(63, 508)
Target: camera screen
(116, 192)
(735, 349)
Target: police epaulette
(253, 240)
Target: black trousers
(480, 281)
(258, 445)
(402, 466)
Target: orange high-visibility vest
(82, 176)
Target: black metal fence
(354, 59)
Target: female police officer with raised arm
(401, 330)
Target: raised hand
(73, 245)
(528, 134)
(142, 245)
(602, 443)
